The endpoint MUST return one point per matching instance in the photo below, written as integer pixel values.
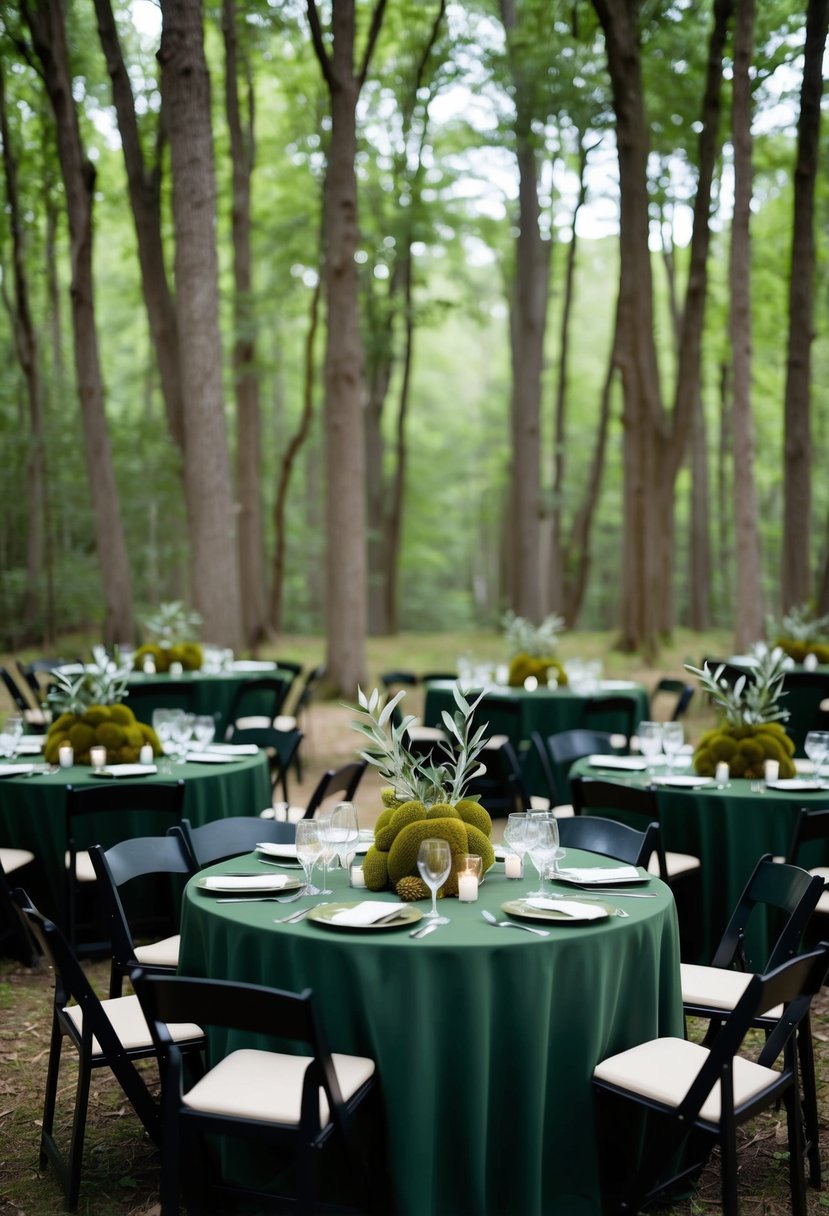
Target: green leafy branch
(750, 700)
(523, 637)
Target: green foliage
(112, 726)
(172, 622)
(95, 685)
(538, 641)
(752, 699)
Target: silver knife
(423, 930)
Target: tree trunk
(797, 469)
(46, 25)
(528, 321)
(26, 346)
(346, 565)
(186, 91)
(144, 189)
(394, 520)
(246, 380)
(749, 592)
(699, 546)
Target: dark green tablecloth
(729, 830)
(208, 694)
(485, 1039)
(32, 809)
(545, 710)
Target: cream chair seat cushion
(677, 863)
(267, 1085)
(15, 859)
(129, 1023)
(84, 871)
(664, 1070)
(163, 953)
(716, 987)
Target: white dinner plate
(252, 665)
(248, 884)
(210, 758)
(125, 770)
(15, 770)
(684, 783)
(629, 764)
(564, 912)
(30, 745)
(335, 916)
(795, 785)
(600, 876)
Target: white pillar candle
(467, 888)
(148, 665)
(176, 669)
(357, 877)
(97, 756)
(722, 773)
(66, 756)
(810, 662)
(771, 771)
(145, 756)
(513, 867)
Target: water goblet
(308, 852)
(816, 747)
(434, 861)
(543, 847)
(515, 834)
(204, 729)
(650, 742)
(328, 846)
(345, 832)
(163, 726)
(673, 737)
(182, 734)
(11, 735)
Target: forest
(360, 316)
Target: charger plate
(524, 911)
(323, 915)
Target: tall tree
(240, 122)
(749, 592)
(186, 90)
(346, 585)
(46, 22)
(797, 469)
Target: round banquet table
(485, 1039)
(210, 692)
(546, 710)
(729, 829)
(32, 809)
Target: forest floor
(120, 1175)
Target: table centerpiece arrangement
(532, 650)
(751, 729)
(800, 633)
(171, 634)
(424, 799)
(88, 711)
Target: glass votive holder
(175, 669)
(145, 756)
(148, 666)
(356, 877)
(771, 771)
(722, 773)
(97, 757)
(470, 870)
(66, 756)
(513, 866)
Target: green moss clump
(96, 714)
(403, 852)
(375, 869)
(480, 845)
(474, 813)
(159, 656)
(798, 650)
(442, 810)
(389, 798)
(189, 654)
(123, 715)
(524, 665)
(112, 736)
(384, 818)
(745, 749)
(82, 737)
(63, 722)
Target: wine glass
(182, 733)
(434, 861)
(163, 727)
(345, 831)
(11, 734)
(543, 847)
(816, 747)
(673, 737)
(650, 741)
(204, 729)
(328, 846)
(515, 834)
(308, 852)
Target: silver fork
(298, 916)
(261, 899)
(512, 924)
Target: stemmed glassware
(163, 725)
(434, 861)
(204, 729)
(328, 846)
(308, 852)
(345, 831)
(11, 735)
(515, 834)
(673, 737)
(542, 834)
(816, 747)
(182, 732)
(650, 742)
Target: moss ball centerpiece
(87, 711)
(424, 799)
(170, 635)
(751, 730)
(532, 649)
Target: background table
(32, 809)
(209, 693)
(485, 1039)
(729, 829)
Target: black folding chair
(609, 838)
(231, 837)
(343, 780)
(256, 703)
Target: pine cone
(411, 888)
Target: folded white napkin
(252, 665)
(277, 850)
(600, 874)
(15, 770)
(126, 770)
(245, 882)
(30, 745)
(366, 913)
(210, 758)
(567, 907)
(232, 749)
(629, 763)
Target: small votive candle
(810, 661)
(148, 666)
(145, 756)
(771, 771)
(97, 756)
(513, 866)
(66, 756)
(175, 669)
(531, 683)
(722, 773)
(467, 888)
(470, 870)
(356, 876)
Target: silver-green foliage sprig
(410, 776)
(523, 637)
(799, 624)
(95, 685)
(172, 622)
(752, 699)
